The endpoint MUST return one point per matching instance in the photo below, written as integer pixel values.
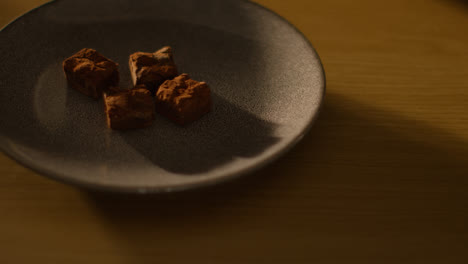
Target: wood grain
(381, 178)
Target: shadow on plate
(224, 134)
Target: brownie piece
(152, 69)
(90, 73)
(129, 109)
(183, 100)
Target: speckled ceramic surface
(266, 79)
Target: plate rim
(60, 177)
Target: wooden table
(381, 178)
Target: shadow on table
(461, 3)
(350, 145)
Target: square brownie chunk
(152, 69)
(129, 109)
(90, 73)
(183, 100)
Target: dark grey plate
(267, 83)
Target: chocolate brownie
(152, 69)
(129, 109)
(90, 72)
(183, 100)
